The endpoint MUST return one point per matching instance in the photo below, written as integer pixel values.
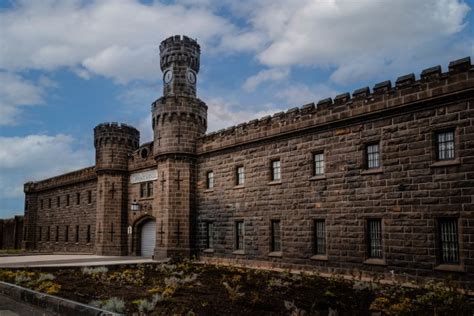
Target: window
(239, 235)
(89, 196)
(58, 201)
(318, 160)
(40, 235)
(448, 241)
(146, 189)
(319, 237)
(78, 198)
(276, 170)
(77, 233)
(276, 235)
(445, 145)
(374, 234)
(57, 233)
(49, 203)
(373, 156)
(67, 200)
(210, 180)
(41, 204)
(48, 234)
(239, 175)
(209, 235)
(88, 237)
(66, 234)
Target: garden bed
(188, 288)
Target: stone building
(378, 180)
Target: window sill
(275, 182)
(449, 267)
(316, 178)
(209, 250)
(277, 254)
(238, 252)
(319, 258)
(372, 171)
(446, 163)
(145, 198)
(375, 262)
(239, 186)
(208, 190)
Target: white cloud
(35, 157)
(222, 113)
(299, 93)
(16, 93)
(274, 74)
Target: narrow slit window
(209, 235)
(239, 235)
(210, 180)
(77, 233)
(88, 237)
(66, 234)
(319, 237)
(276, 235)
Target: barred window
(239, 176)
(276, 235)
(88, 237)
(445, 141)
(319, 237)
(239, 235)
(374, 238)
(66, 234)
(373, 156)
(210, 180)
(448, 240)
(209, 235)
(318, 160)
(276, 170)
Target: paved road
(10, 307)
(67, 261)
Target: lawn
(187, 288)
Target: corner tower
(179, 118)
(113, 143)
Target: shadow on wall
(11, 231)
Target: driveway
(67, 260)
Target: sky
(68, 65)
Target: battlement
(180, 50)
(77, 176)
(433, 83)
(116, 133)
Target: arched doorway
(148, 238)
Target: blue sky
(66, 66)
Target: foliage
(96, 273)
(42, 282)
(113, 304)
(148, 305)
(233, 291)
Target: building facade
(374, 181)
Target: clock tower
(179, 118)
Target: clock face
(168, 76)
(191, 76)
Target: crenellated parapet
(114, 142)
(407, 90)
(77, 176)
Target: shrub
(148, 306)
(233, 292)
(113, 304)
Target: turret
(113, 143)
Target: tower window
(88, 237)
(40, 234)
(318, 161)
(48, 234)
(239, 235)
(58, 201)
(77, 233)
(41, 204)
(276, 235)
(372, 152)
(239, 175)
(78, 198)
(319, 237)
(448, 240)
(49, 203)
(209, 235)
(210, 180)
(374, 235)
(57, 233)
(276, 170)
(445, 145)
(66, 234)
(68, 200)
(89, 196)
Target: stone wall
(11, 233)
(408, 193)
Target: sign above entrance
(144, 176)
